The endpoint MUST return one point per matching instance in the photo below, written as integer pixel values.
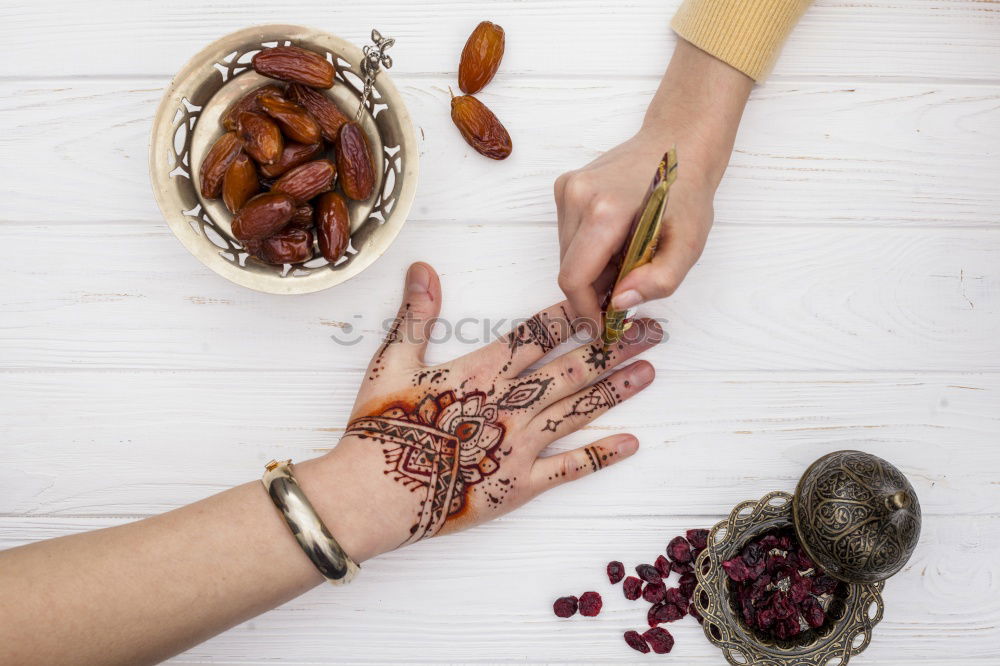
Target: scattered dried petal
(632, 588)
(659, 639)
(636, 641)
(565, 606)
(590, 604)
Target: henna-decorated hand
(435, 449)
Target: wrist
(698, 107)
(338, 499)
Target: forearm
(150, 589)
(698, 106)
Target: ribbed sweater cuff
(747, 34)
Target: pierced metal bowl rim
(202, 248)
(871, 593)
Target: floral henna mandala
(441, 448)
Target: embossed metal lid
(857, 516)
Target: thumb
(406, 340)
(661, 276)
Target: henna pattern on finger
(599, 357)
(540, 330)
(441, 448)
(596, 459)
(602, 395)
(391, 338)
(594, 456)
(551, 425)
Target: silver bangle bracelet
(302, 519)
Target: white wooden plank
(762, 298)
(125, 443)
(485, 596)
(899, 154)
(881, 38)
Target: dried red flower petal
(565, 606)
(590, 604)
(679, 550)
(787, 628)
(662, 565)
(800, 588)
(616, 571)
(697, 538)
(654, 592)
(674, 596)
(813, 612)
(823, 584)
(659, 639)
(649, 573)
(783, 606)
(632, 588)
(636, 641)
(736, 569)
(687, 584)
(753, 553)
(682, 567)
(765, 618)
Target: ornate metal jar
(857, 517)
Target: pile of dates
(777, 588)
(478, 125)
(284, 150)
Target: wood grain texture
(486, 595)
(797, 298)
(877, 38)
(709, 440)
(849, 298)
(906, 154)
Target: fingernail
(643, 375)
(418, 279)
(627, 446)
(626, 299)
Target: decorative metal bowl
(851, 614)
(187, 124)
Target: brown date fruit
(480, 127)
(240, 183)
(249, 102)
(292, 156)
(262, 216)
(333, 226)
(290, 246)
(261, 137)
(291, 63)
(294, 120)
(354, 163)
(306, 181)
(302, 218)
(216, 163)
(320, 107)
(480, 57)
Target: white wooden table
(849, 298)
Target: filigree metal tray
(852, 616)
(187, 123)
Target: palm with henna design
(450, 446)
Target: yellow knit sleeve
(747, 34)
